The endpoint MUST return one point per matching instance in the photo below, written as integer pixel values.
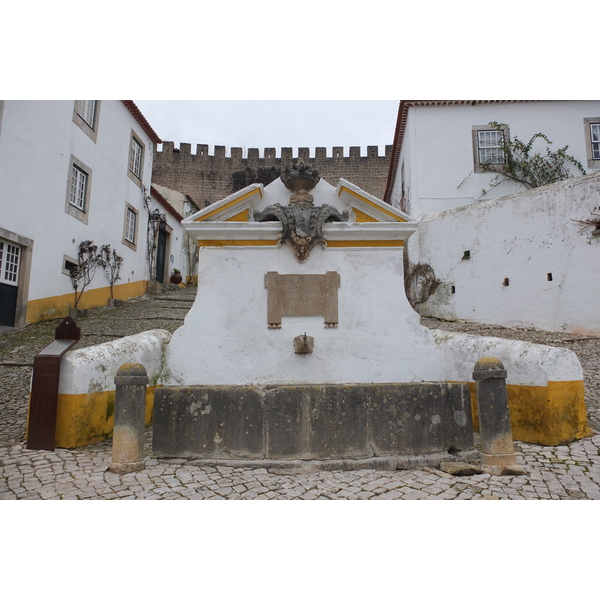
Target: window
(130, 227)
(78, 190)
(78, 187)
(9, 263)
(85, 116)
(489, 144)
(488, 147)
(592, 142)
(69, 263)
(86, 109)
(595, 135)
(136, 159)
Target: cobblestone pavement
(563, 472)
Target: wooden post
(41, 427)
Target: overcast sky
(274, 124)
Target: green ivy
(531, 168)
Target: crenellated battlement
(202, 151)
(207, 177)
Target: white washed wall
(438, 151)
(523, 237)
(36, 143)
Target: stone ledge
(381, 463)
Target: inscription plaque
(302, 296)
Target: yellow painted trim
(55, 307)
(367, 201)
(221, 243)
(548, 415)
(242, 216)
(362, 217)
(365, 243)
(87, 418)
(219, 210)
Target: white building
(440, 146)
(184, 250)
(73, 171)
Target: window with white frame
(488, 147)
(135, 158)
(592, 141)
(86, 109)
(595, 140)
(9, 263)
(78, 188)
(130, 227)
(85, 116)
(130, 219)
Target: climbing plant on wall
(83, 272)
(525, 164)
(111, 262)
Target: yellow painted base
(56, 307)
(547, 415)
(87, 418)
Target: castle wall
(207, 179)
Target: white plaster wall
(36, 143)
(93, 369)
(225, 339)
(523, 238)
(525, 363)
(438, 150)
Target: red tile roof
(163, 202)
(401, 125)
(139, 117)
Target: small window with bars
(595, 140)
(135, 158)
(130, 219)
(490, 145)
(9, 263)
(78, 188)
(86, 109)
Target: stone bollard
(130, 412)
(497, 450)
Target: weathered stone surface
(460, 469)
(311, 421)
(494, 415)
(302, 295)
(128, 434)
(208, 422)
(316, 422)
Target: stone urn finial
(300, 179)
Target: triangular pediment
(368, 208)
(233, 208)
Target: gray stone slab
(316, 422)
(312, 422)
(216, 422)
